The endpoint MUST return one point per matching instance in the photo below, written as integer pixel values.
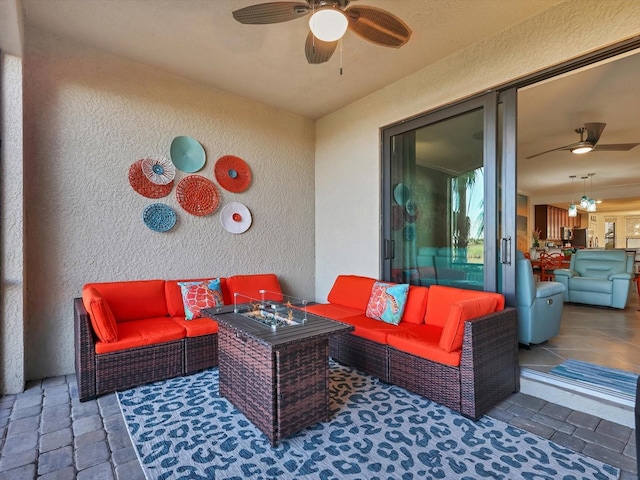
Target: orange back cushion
(416, 306)
(173, 294)
(248, 287)
(351, 291)
(100, 315)
(135, 299)
(460, 312)
(441, 298)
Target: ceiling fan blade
(318, 51)
(274, 12)
(378, 26)
(566, 147)
(616, 147)
(594, 130)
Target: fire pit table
(273, 360)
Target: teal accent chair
(597, 277)
(539, 305)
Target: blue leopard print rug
(183, 429)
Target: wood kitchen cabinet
(550, 220)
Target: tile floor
(597, 335)
(47, 434)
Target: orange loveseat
(457, 347)
(134, 332)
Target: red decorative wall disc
(198, 195)
(232, 173)
(145, 187)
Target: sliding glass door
(441, 199)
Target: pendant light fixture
(573, 209)
(591, 207)
(584, 201)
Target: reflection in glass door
(440, 198)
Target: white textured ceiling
(199, 39)
(548, 114)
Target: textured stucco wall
(12, 352)
(88, 117)
(347, 169)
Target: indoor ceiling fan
(328, 23)
(593, 132)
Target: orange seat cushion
(139, 333)
(416, 306)
(423, 341)
(351, 291)
(197, 326)
(460, 312)
(133, 300)
(333, 311)
(248, 287)
(173, 294)
(374, 330)
(441, 298)
(100, 315)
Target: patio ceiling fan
(593, 131)
(328, 22)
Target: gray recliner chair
(539, 305)
(597, 277)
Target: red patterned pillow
(199, 295)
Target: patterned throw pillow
(387, 302)
(199, 295)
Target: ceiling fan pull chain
(340, 56)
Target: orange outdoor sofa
(454, 346)
(134, 332)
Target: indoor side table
(276, 375)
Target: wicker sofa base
(365, 355)
(110, 372)
(488, 372)
(129, 368)
(200, 353)
(438, 382)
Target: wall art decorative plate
(401, 194)
(159, 217)
(235, 217)
(198, 195)
(158, 169)
(187, 154)
(233, 173)
(145, 187)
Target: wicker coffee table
(278, 377)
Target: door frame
(488, 101)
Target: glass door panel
(437, 198)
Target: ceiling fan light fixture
(579, 149)
(328, 24)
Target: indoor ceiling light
(582, 147)
(592, 202)
(584, 201)
(573, 210)
(328, 24)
